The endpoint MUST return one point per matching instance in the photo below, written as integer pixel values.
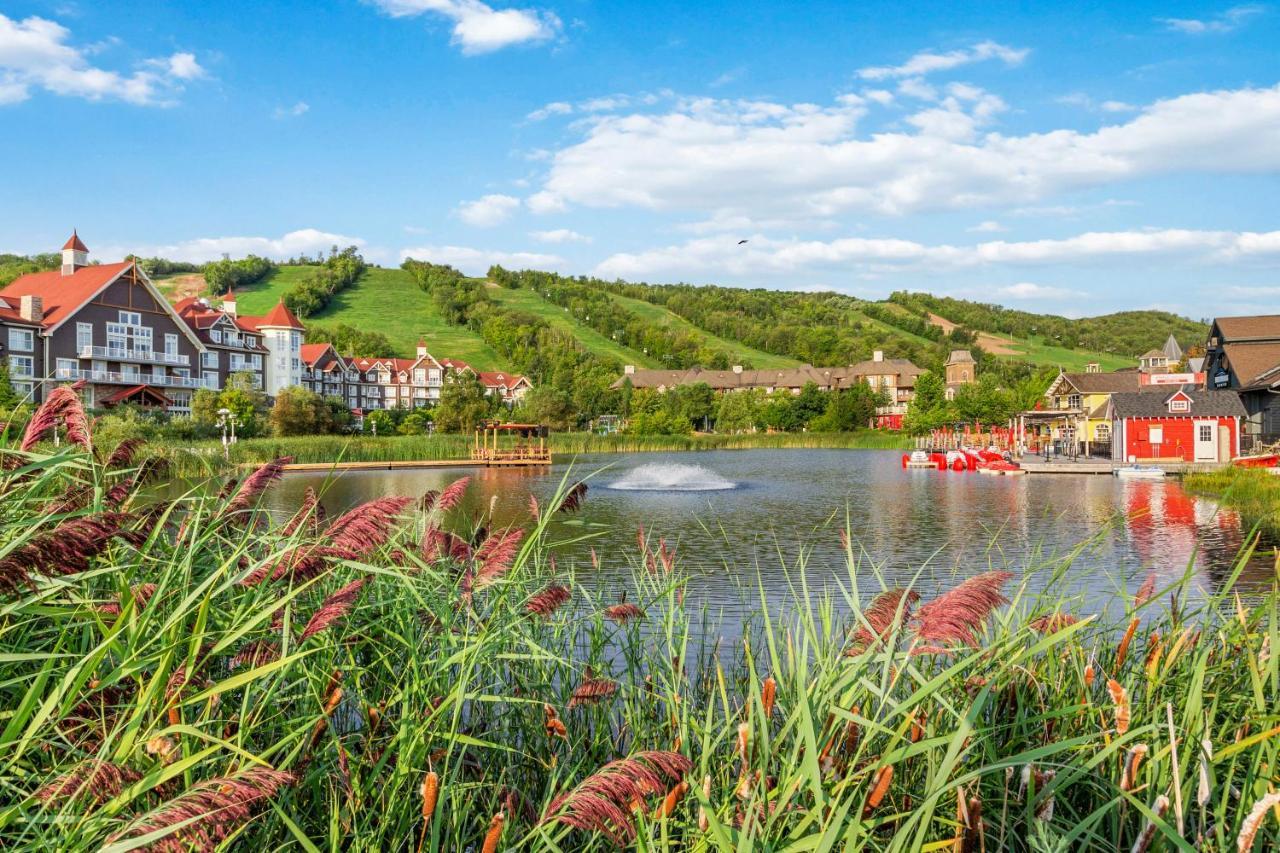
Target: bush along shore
(206, 456)
(192, 675)
(1253, 492)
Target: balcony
(111, 377)
(139, 355)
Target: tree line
(338, 272)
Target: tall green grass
(802, 736)
(1253, 492)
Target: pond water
(741, 517)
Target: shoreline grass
(1252, 492)
(207, 456)
(193, 675)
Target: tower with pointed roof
(282, 336)
(75, 254)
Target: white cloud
(298, 109)
(1117, 107)
(1030, 290)
(35, 53)
(927, 62)
(559, 235)
(477, 26)
(488, 211)
(306, 241)
(720, 256)
(765, 159)
(1230, 20)
(555, 108)
(476, 261)
(989, 226)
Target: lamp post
(227, 421)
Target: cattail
(330, 705)
(1154, 650)
(592, 691)
(573, 498)
(1089, 673)
(332, 609)
(670, 801)
(969, 818)
(917, 726)
(1132, 761)
(744, 745)
(595, 560)
(878, 789)
(956, 615)
(1253, 821)
(430, 787)
(495, 555)
(768, 691)
(546, 602)
(92, 780)
(602, 801)
(452, 494)
(555, 727)
(623, 613)
(257, 483)
(209, 812)
(1160, 807)
(704, 822)
(1122, 650)
(1120, 698)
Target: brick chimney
(31, 308)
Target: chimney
(1093, 367)
(737, 368)
(422, 348)
(629, 370)
(229, 303)
(31, 308)
(878, 355)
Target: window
(130, 372)
(1155, 434)
(170, 344)
(209, 358)
(1074, 401)
(419, 376)
(211, 379)
(66, 368)
(22, 365)
(1206, 432)
(84, 336)
(130, 318)
(215, 336)
(22, 340)
(1179, 405)
(256, 361)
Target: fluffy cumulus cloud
(306, 241)
(878, 257)
(929, 62)
(559, 235)
(477, 261)
(1026, 290)
(769, 159)
(37, 54)
(488, 211)
(477, 26)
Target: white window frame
(130, 318)
(22, 340)
(170, 344)
(25, 372)
(70, 365)
(84, 336)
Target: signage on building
(1173, 378)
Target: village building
(1243, 355)
(1181, 423)
(960, 369)
(267, 348)
(103, 324)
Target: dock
(410, 464)
(1106, 466)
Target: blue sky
(1077, 160)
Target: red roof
(63, 295)
(143, 391)
(454, 364)
(311, 352)
(498, 379)
(74, 242)
(278, 317)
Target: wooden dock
(1106, 466)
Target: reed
(397, 693)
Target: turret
(75, 254)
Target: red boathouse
(1185, 423)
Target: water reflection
(927, 526)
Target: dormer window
(1179, 405)
(215, 336)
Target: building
(230, 345)
(1073, 417)
(1172, 351)
(960, 369)
(510, 387)
(105, 324)
(1154, 361)
(1243, 355)
(1183, 422)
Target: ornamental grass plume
(602, 802)
(254, 654)
(123, 454)
(548, 601)
(310, 513)
(361, 531)
(439, 544)
(140, 593)
(886, 611)
(592, 690)
(623, 612)
(209, 812)
(333, 609)
(92, 781)
(495, 555)
(61, 406)
(452, 494)
(1053, 623)
(956, 615)
(572, 501)
(1144, 593)
(65, 550)
(553, 725)
(1253, 821)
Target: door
(1206, 449)
(1224, 443)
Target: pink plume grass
(333, 609)
(495, 555)
(573, 499)
(955, 616)
(257, 483)
(92, 781)
(886, 611)
(310, 512)
(452, 494)
(62, 405)
(141, 594)
(65, 550)
(361, 531)
(603, 801)
(548, 601)
(255, 653)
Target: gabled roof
(1257, 327)
(9, 313)
(279, 317)
(63, 295)
(498, 379)
(311, 353)
(74, 242)
(1100, 383)
(1252, 363)
(1204, 403)
(454, 364)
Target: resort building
(960, 369)
(1243, 355)
(1180, 423)
(105, 324)
(267, 348)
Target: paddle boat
(1139, 472)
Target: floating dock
(409, 464)
(1106, 466)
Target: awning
(144, 394)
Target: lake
(736, 517)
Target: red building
(1188, 423)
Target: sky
(1068, 158)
